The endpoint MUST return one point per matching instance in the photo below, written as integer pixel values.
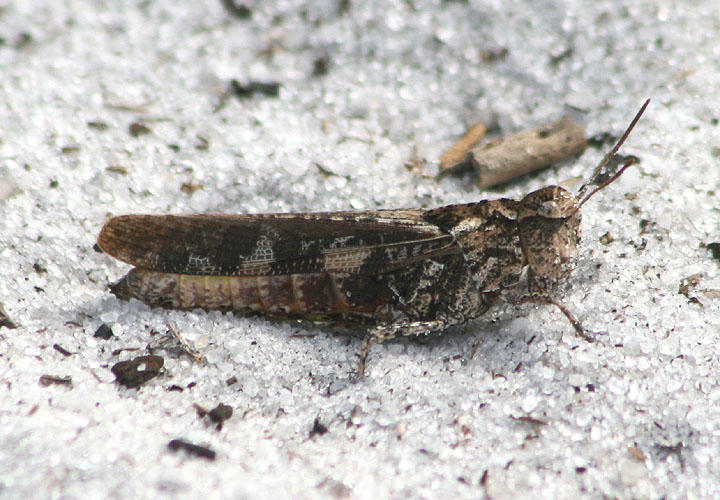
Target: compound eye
(548, 209)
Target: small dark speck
(555, 60)
(714, 248)
(136, 129)
(483, 478)
(117, 169)
(237, 9)
(321, 66)
(61, 350)
(220, 414)
(46, 380)
(97, 125)
(246, 90)
(318, 428)
(103, 332)
(203, 143)
(192, 449)
(607, 238)
(489, 56)
(344, 6)
(190, 188)
(23, 40)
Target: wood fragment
(47, 380)
(510, 157)
(712, 293)
(457, 153)
(117, 169)
(192, 449)
(61, 350)
(607, 238)
(135, 372)
(688, 286)
(189, 187)
(98, 125)
(249, 89)
(636, 453)
(530, 420)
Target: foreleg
(540, 298)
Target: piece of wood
(504, 159)
(457, 153)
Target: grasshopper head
(549, 220)
(549, 229)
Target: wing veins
(296, 243)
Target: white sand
(634, 415)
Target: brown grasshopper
(400, 272)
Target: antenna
(608, 157)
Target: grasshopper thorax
(549, 230)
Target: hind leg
(381, 333)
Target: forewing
(273, 244)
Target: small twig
(457, 153)
(184, 344)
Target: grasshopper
(399, 272)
